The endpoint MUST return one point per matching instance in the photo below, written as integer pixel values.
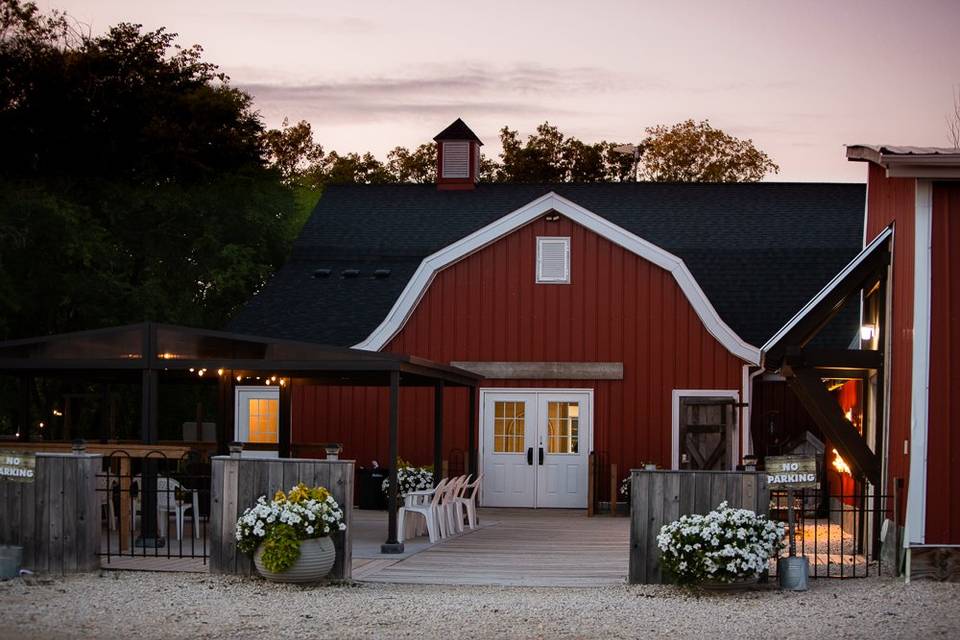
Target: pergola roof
(149, 345)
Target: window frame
(541, 241)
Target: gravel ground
(167, 605)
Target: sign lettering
(17, 466)
(792, 472)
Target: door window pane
(508, 427)
(263, 420)
(563, 427)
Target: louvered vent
(456, 159)
(553, 260)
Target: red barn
(915, 191)
(908, 278)
(621, 319)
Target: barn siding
(487, 307)
(893, 200)
(943, 439)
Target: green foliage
(281, 548)
(696, 152)
(134, 182)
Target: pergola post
(437, 432)
(285, 420)
(471, 431)
(149, 435)
(392, 545)
(225, 413)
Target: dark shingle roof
(759, 251)
(458, 130)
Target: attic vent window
(553, 260)
(380, 274)
(321, 273)
(456, 159)
(350, 273)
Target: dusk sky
(801, 78)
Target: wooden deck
(516, 547)
(513, 547)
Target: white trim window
(257, 412)
(732, 437)
(553, 260)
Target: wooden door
(707, 433)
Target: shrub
(724, 546)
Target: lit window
(508, 427)
(263, 420)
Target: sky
(800, 78)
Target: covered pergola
(146, 352)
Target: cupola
(458, 157)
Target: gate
(840, 534)
(157, 511)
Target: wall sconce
(868, 331)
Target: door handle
(541, 456)
(530, 456)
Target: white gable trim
(833, 284)
(432, 264)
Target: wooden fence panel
(56, 517)
(661, 497)
(237, 483)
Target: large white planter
(317, 556)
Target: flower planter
(317, 556)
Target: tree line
(137, 183)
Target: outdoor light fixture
(868, 331)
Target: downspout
(746, 444)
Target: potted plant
(410, 478)
(289, 536)
(727, 548)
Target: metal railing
(839, 533)
(154, 506)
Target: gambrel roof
(757, 251)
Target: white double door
(535, 448)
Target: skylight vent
(350, 273)
(380, 274)
(322, 273)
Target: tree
(696, 152)
(291, 149)
(549, 156)
(419, 165)
(133, 183)
(953, 120)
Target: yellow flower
(279, 496)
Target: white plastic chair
(418, 503)
(167, 489)
(105, 491)
(468, 501)
(448, 523)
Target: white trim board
(920, 392)
(675, 420)
(837, 279)
(417, 286)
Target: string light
(219, 372)
(192, 369)
(239, 378)
(57, 412)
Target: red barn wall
(618, 307)
(943, 436)
(893, 200)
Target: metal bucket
(792, 573)
(10, 559)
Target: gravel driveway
(169, 605)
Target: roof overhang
(803, 326)
(909, 162)
(551, 202)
